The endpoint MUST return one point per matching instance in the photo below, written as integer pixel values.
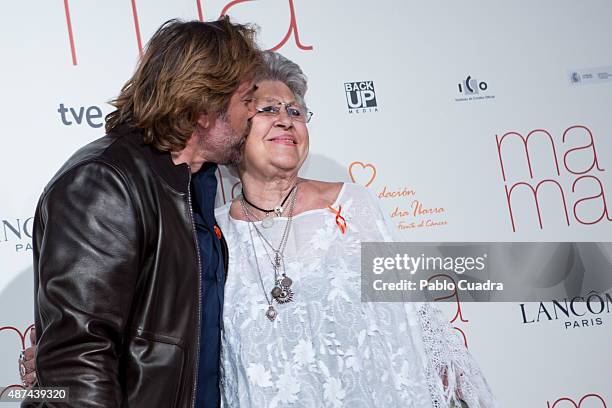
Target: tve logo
(361, 97)
(92, 115)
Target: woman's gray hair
(279, 68)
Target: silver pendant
(276, 292)
(278, 210)
(267, 222)
(277, 260)
(286, 282)
(285, 296)
(271, 313)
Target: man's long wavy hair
(188, 68)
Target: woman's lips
(284, 140)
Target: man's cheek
(247, 128)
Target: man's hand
(27, 362)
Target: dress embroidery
(327, 348)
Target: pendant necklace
(281, 292)
(268, 221)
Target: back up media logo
(360, 97)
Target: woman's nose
(283, 119)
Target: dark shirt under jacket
(203, 189)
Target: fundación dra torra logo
(360, 97)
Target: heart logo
(22, 345)
(572, 403)
(362, 171)
(22, 336)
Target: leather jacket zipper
(197, 247)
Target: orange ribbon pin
(217, 231)
(340, 221)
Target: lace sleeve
(446, 354)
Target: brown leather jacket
(117, 278)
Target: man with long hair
(129, 263)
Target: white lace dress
(327, 348)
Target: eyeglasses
(272, 107)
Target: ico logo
(587, 401)
(471, 86)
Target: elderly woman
(295, 332)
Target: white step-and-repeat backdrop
(471, 121)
